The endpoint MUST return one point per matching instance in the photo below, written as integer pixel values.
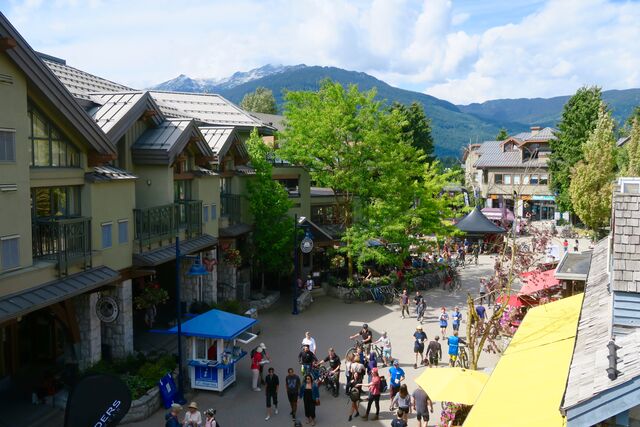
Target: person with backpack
(354, 394)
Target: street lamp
(307, 245)
(196, 270)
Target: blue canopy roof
(215, 324)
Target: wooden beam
(98, 159)
(149, 113)
(74, 330)
(7, 43)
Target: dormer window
(49, 147)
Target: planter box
(143, 407)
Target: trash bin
(168, 390)
(253, 313)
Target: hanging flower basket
(151, 295)
(232, 257)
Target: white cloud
(543, 50)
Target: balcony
(156, 224)
(231, 207)
(67, 241)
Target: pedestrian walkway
(331, 321)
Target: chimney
(535, 130)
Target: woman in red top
(374, 393)
(256, 360)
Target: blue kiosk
(212, 340)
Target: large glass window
(516, 179)
(534, 179)
(182, 190)
(49, 202)
(49, 148)
(107, 235)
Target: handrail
(64, 240)
(158, 223)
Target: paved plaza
(331, 322)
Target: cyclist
(367, 337)
(454, 347)
(307, 360)
(334, 365)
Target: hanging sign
(306, 245)
(107, 309)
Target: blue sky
(461, 50)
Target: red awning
(538, 281)
(516, 301)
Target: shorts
(394, 390)
(422, 415)
(456, 326)
(418, 348)
(433, 360)
(386, 353)
(404, 409)
(292, 396)
(272, 397)
(443, 324)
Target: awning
(21, 303)
(526, 387)
(453, 384)
(475, 223)
(214, 324)
(539, 281)
(234, 230)
(319, 233)
(515, 301)
(168, 253)
(497, 214)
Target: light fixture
(301, 220)
(197, 269)
(148, 182)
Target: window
(106, 235)
(9, 252)
(544, 179)
(534, 179)
(516, 179)
(525, 179)
(181, 190)
(507, 179)
(214, 213)
(291, 185)
(205, 213)
(49, 202)
(497, 178)
(7, 145)
(123, 231)
(49, 148)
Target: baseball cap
(396, 362)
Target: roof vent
(612, 371)
(535, 129)
(629, 185)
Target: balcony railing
(231, 207)
(158, 223)
(66, 241)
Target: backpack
(383, 385)
(354, 394)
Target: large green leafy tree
(353, 145)
(269, 204)
(579, 118)
(632, 151)
(417, 127)
(260, 101)
(592, 179)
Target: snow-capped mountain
(184, 83)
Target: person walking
(399, 421)
(354, 395)
(476, 253)
(292, 382)
(402, 401)
(456, 318)
(374, 394)
(565, 245)
(385, 343)
(422, 404)
(482, 289)
(192, 418)
(576, 246)
(372, 364)
(404, 303)
(310, 396)
(417, 300)
(396, 376)
(348, 372)
(310, 341)
(444, 321)
(256, 361)
(272, 383)
(210, 418)
(418, 345)
(171, 418)
(420, 310)
(481, 312)
(309, 286)
(434, 352)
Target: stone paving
(331, 321)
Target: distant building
(498, 169)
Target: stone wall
(304, 300)
(89, 349)
(144, 407)
(264, 301)
(118, 335)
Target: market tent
(526, 387)
(214, 324)
(456, 385)
(476, 223)
(498, 214)
(538, 281)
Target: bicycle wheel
(463, 359)
(349, 353)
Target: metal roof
(161, 145)
(219, 139)
(508, 159)
(168, 253)
(44, 80)
(118, 111)
(207, 108)
(545, 134)
(275, 120)
(235, 230)
(321, 192)
(80, 83)
(574, 266)
(108, 174)
(21, 303)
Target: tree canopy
(502, 135)
(260, 101)
(269, 204)
(631, 150)
(579, 118)
(591, 184)
(384, 188)
(417, 128)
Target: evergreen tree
(417, 128)
(579, 118)
(260, 101)
(632, 151)
(591, 183)
(502, 135)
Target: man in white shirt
(310, 341)
(385, 342)
(309, 286)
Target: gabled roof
(44, 81)
(117, 111)
(163, 144)
(492, 155)
(220, 139)
(275, 120)
(207, 108)
(542, 135)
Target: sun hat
(193, 405)
(419, 327)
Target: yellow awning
(526, 387)
(453, 384)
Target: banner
(97, 401)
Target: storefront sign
(526, 197)
(107, 309)
(306, 245)
(548, 198)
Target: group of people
(191, 418)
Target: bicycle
(330, 380)
(463, 358)
(355, 294)
(376, 349)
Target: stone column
(90, 348)
(119, 333)
(210, 282)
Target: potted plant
(232, 257)
(151, 296)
